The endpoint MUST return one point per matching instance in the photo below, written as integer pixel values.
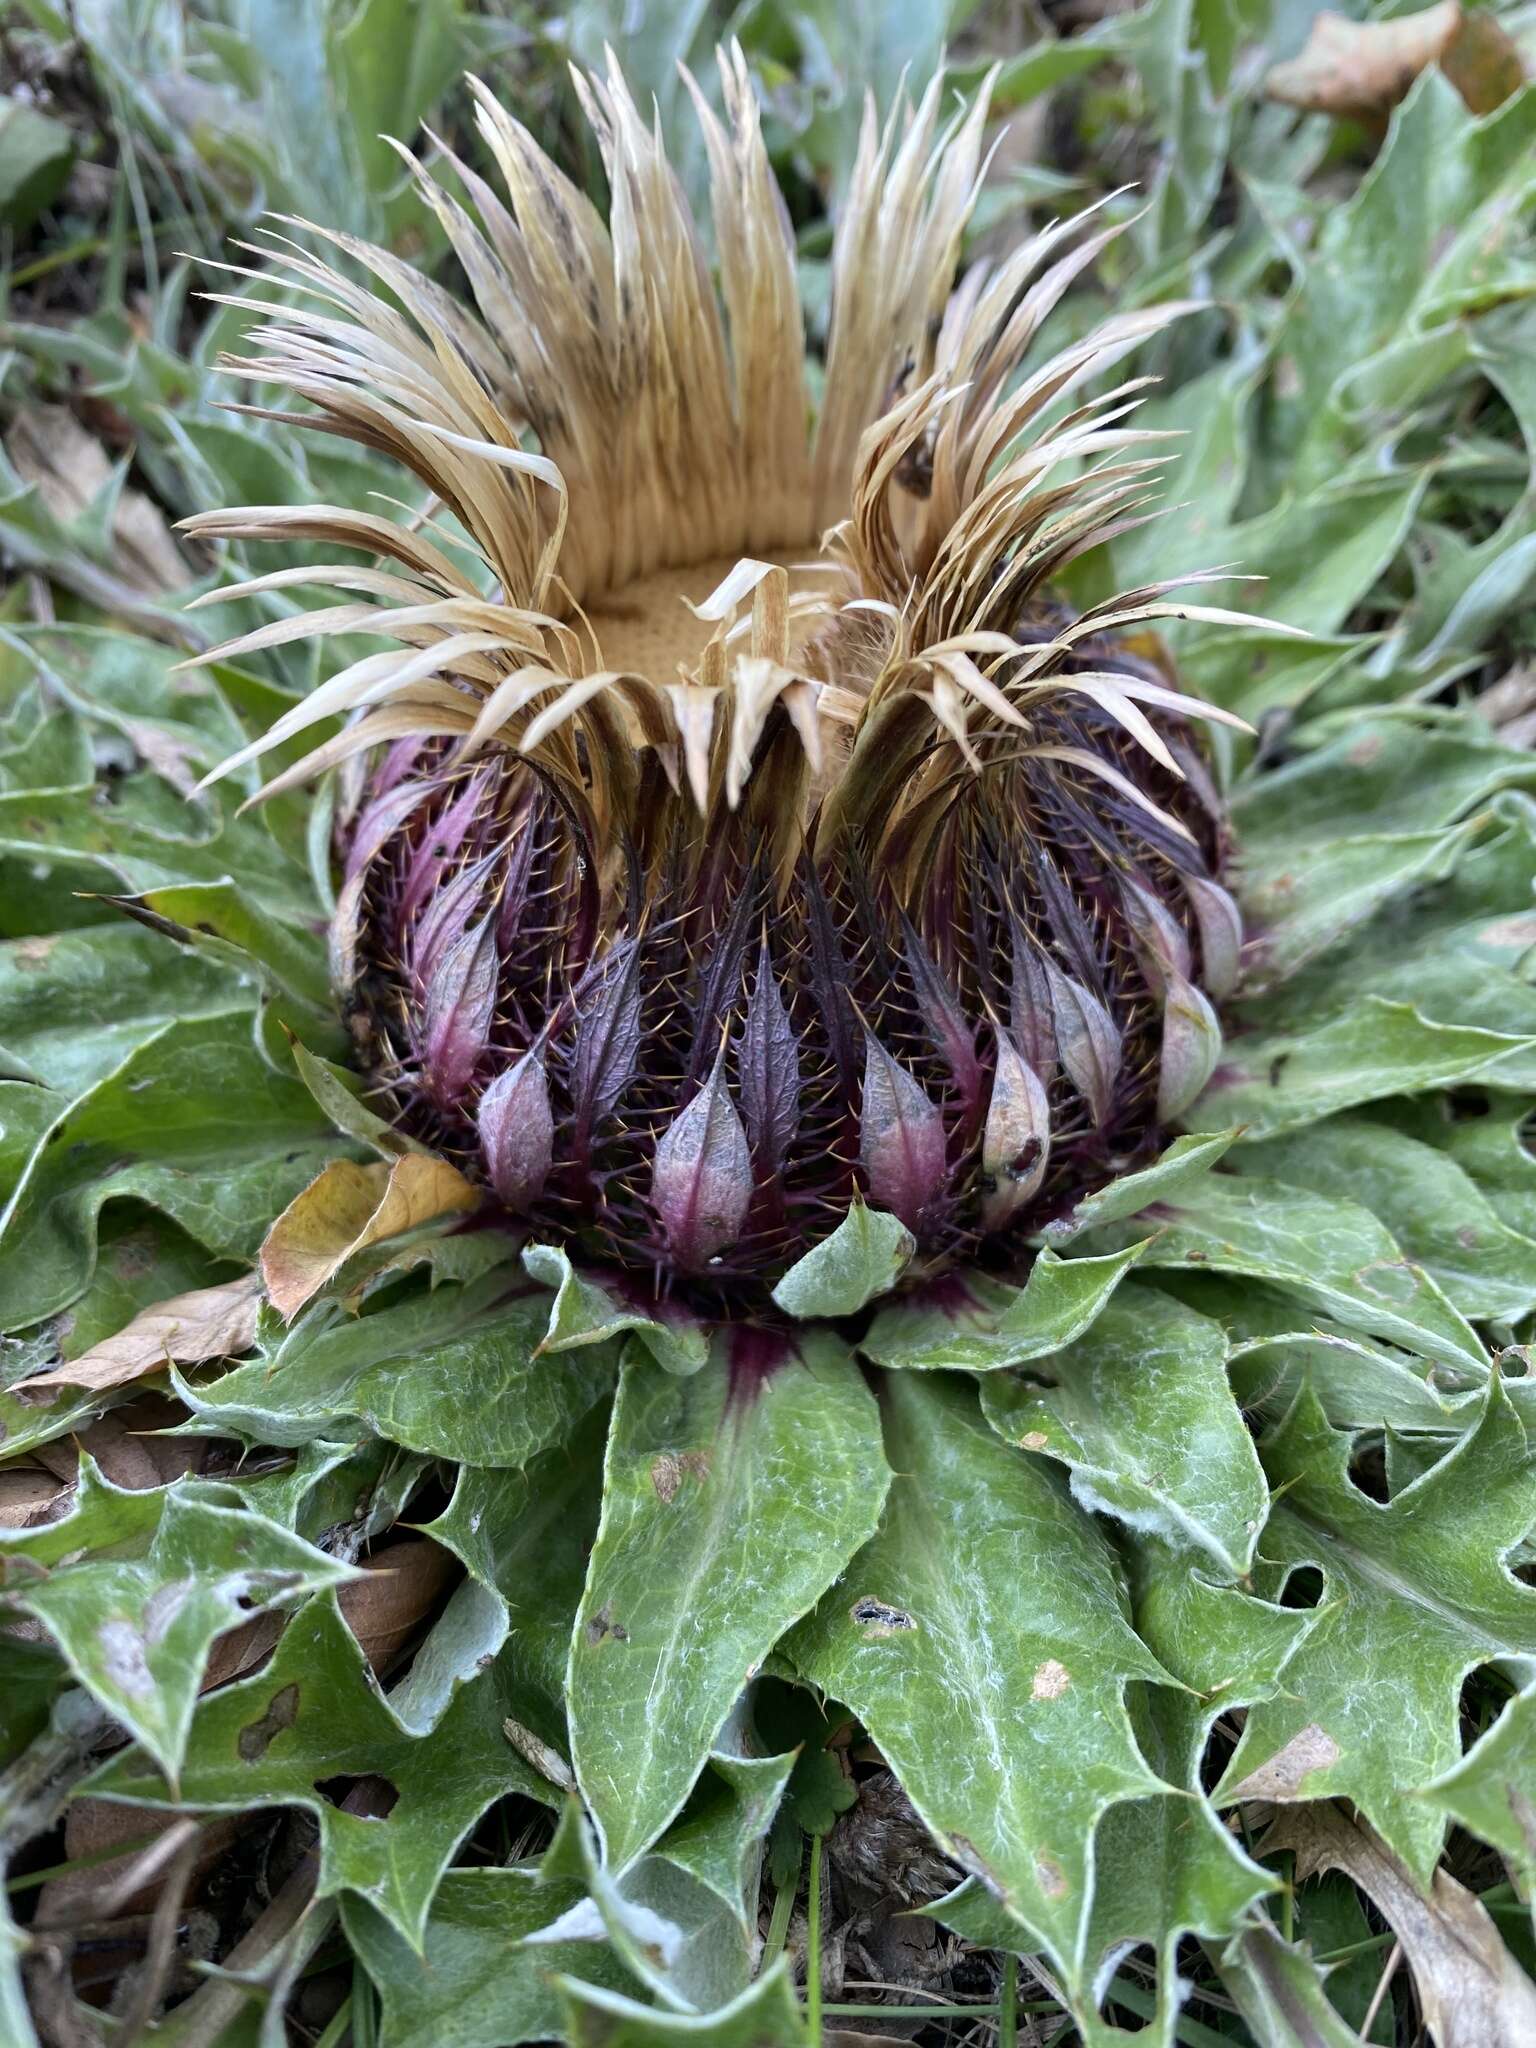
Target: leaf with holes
(972, 1323)
(982, 1638)
(1140, 1413)
(1415, 1595)
(731, 1500)
(134, 1587)
(473, 1983)
(314, 1715)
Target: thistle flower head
(736, 824)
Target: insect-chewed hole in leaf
(877, 1619)
(1466, 1105)
(255, 1737)
(1133, 1973)
(1484, 1695)
(1217, 1754)
(369, 1794)
(602, 1627)
(1368, 1473)
(1303, 1587)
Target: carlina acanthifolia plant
(874, 1418)
(745, 829)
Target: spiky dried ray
(746, 826)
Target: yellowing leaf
(1366, 67)
(211, 1322)
(1471, 1990)
(345, 1211)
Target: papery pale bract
(737, 824)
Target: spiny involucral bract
(737, 824)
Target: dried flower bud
(901, 1139)
(701, 1182)
(517, 1132)
(1087, 1041)
(1191, 1048)
(1221, 934)
(572, 807)
(1016, 1144)
(456, 1026)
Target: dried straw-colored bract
(734, 823)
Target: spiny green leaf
(690, 1949)
(862, 1259)
(152, 837)
(1488, 1149)
(525, 1536)
(360, 1486)
(718, 1838)
(1375, 777)
(1492, 1790)
(454, 1372)
(765, 2015)
(1433, 1210)
(73, 1006)
(586, 1310)
(1324, 548)
(314, 1714)
(1279, 1990)
(1328, 1255)
(1455, 953)
(1407, 242)
(1415, 1596)
(1140, 1412)
(970, 1323)
(1358, 1385)
(134, 1587)
(1253, 672)
(193, 1122)
(473, 1985)
(1185, 1161)
(1325, 890)
(219, 921)
(1330, 1915)
(1278, 1081)
(982, 1639)
(336, 1092)
(732, 1499)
